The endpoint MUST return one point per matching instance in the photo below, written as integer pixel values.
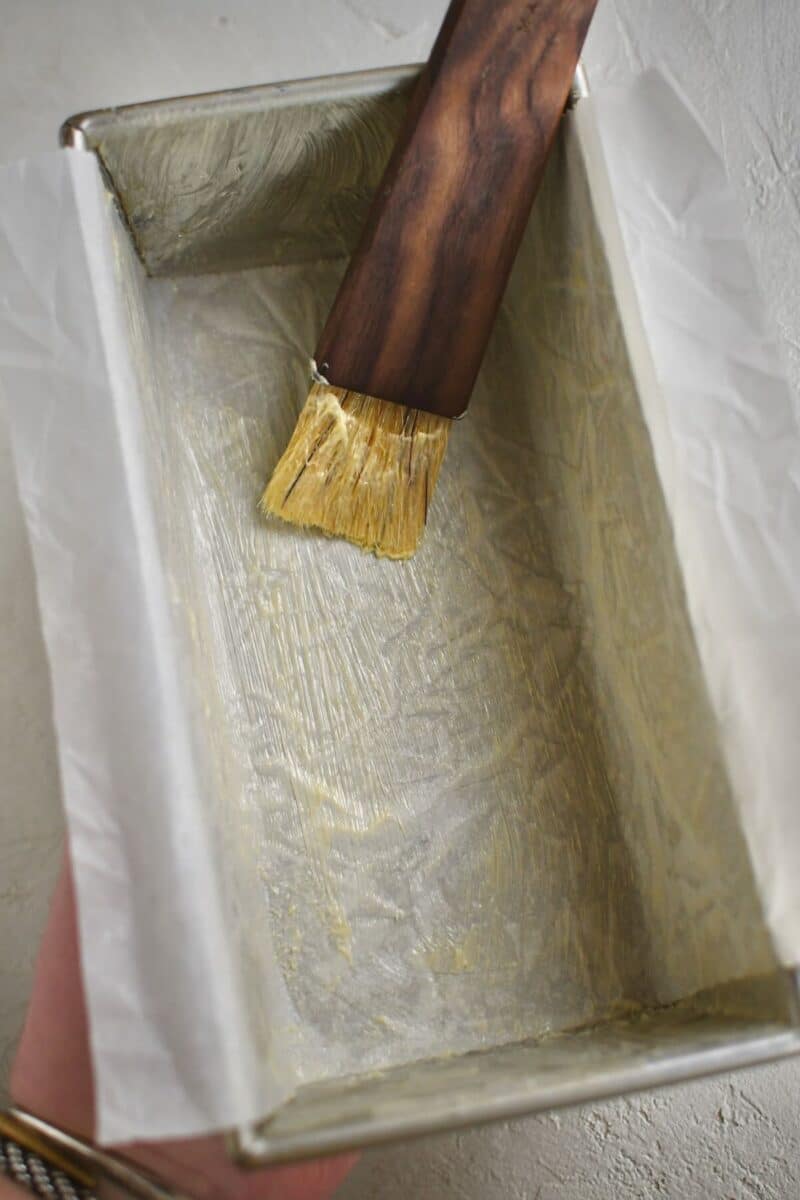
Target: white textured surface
(734, 1140)
(735, 59)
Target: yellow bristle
(361, 469)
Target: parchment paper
(726, 433)
(169, 1039)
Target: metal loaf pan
(479, 842)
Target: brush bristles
(361, 469)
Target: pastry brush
(403, 343)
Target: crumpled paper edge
(725, 430)
(119, 715)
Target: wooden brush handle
(414, 312)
